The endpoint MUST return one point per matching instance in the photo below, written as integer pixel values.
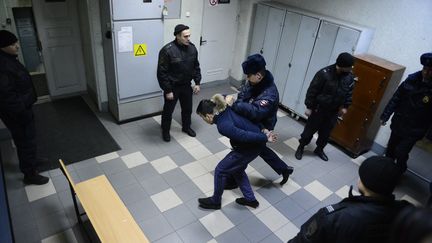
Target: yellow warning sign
(140, 50)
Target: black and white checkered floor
(160, 182)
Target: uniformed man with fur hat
(366, 218)
(411, 106)
(17, 97)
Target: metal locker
(272, 36)
(259, 29)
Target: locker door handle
(202, 42)
(261, 51)
(289, 65)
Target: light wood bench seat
(110, 218)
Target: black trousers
(398, 148)
(321, 121)
(22, 128)
(184, 94)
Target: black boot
(299, 152)
(285, 175)
(208, 203)
(189, 131)
(321, 154)
(244, 202)
(35, 179)
(166, 136)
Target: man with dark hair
(17, 97)
(327, 98)
(358, 219)
(258, 100)
(247, 140)
(177, 66)
(411, 105)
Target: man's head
(8, 43)
(254, 68)
(205, 110)
(426, 61)
(182, 34)
(344, 63)
(378, 175)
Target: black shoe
(166, 136)
(299, 152)
(285, 175)
(35, 179)
(208, 203)
(230, 186)
(189, 131)
(244, 202)
(321, 154)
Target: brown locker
(377, 79)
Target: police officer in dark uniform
(327, 98)
(258, 101)
(178, 65)
(17, 97)
(359, 219)
(412, 108)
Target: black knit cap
(379, 174)
(426, 59)
(345, 60)
(179, 28)
(253, 64)
(7, 38)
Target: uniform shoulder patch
(264, 102)
(333, 208)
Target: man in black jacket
(327, 98)
(17, 97)
(177, 66)
(359, 219)
(412, 108)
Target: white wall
(402, 29)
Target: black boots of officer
(35, 178)
(318, 151)
(299, 151)
(321, 154)
(166, 136)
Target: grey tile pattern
(53, 214)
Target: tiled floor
(160, 182)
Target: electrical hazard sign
(140, 50)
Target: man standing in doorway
(177, 66)
(327, 98)
(412, 108)
(17, 97)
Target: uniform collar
(2, 53)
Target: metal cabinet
(377, 79)
(296, 44)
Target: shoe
(244, 202)
(230, 186)
(35, 179)
(285, 175)
(299, 152)
(189, 131)
(208, 203)
(166, 136)
(321, 154)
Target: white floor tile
(292, 143)
(164, 164)
(263, 204)
(216, 223)
(272, 218)
(225, 141)
(343, 192)
(199, 152)
(35, 192)
(209, 162)
(134, 159)
(205, 182)
(194, 169)
(166, 200)
(359, 160)
(106, 157)
(287, 232)
(290, 187)
(65, 236)
(212, 241)
(188, 142)
(222, 153)
(318, 190)
(257, 180)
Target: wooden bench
(110, 218)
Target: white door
(59, 33)
(218, 36)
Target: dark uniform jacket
(356, 219)
(178, 65)
(17, 93)
(259, 102)
(329, 90)
(412, 107)
(243, 134)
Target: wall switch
(187, 14)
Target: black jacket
(412, 107)
(177, 66)
(329, 90)
(356, 219)
(17, 93)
